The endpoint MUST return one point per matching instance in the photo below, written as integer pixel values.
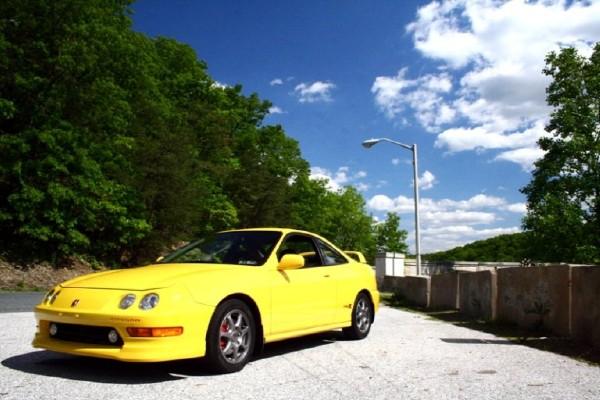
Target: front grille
(85, 334)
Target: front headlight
(149, 301)
(127, 301)
(48, 296)
(51, 296)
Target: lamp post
(372, 142)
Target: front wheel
(362, 316)
(230, 337)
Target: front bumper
(190, 344)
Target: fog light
(53, 329)
(113, 336)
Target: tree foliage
(389, 236)
(564, 195)
(116, 145)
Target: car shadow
(47, 363)
(302, 343)
(477, 341)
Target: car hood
(146, 278)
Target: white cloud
(525, 157)
(219, 85)
(519, 208)
(276, 81)
(405, 204)
(461, 139)
(493, 52)
(479, 209)
(446, 237)
(437, 218)
(275, 110)
(448, 223)
(424, 95)
(340, 178)
(381, 183)
(395, 161)
(427, 180)
(361, 187)
(317, 91)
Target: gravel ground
(406, 356)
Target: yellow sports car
(221, 297)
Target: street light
(372, 142)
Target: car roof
(282, 230)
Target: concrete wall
(586, 305)
(536, 297)
(478, 294)
(415, 289)
(445, 291)
(562, 299)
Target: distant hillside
(511, 247)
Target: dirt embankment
(42, 276)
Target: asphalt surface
(19, 301)
(406, 356)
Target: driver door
(303, 298)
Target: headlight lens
(127, 301)
(54, 296)
(149, 301)
(48, 296)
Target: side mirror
(159, 259)
(290, 261)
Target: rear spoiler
(356, 256)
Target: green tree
(338, 216)
(116, 145)
(564, 194)
(389, 236)
(64, 135)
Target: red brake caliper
(224, 329)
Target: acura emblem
(75, 302)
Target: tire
(230, 338)
(362, 317)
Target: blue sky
(460, 78)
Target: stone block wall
(445, 291)
(536, 298)
(478, 294)
(415, 289)
(586, 305)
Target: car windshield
(237, 247)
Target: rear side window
(330, 256)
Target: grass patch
(538, 339)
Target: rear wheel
(362, 316)
(230, 337)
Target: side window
(302, 245)
(331, 257)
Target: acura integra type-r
(221, 297)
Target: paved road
(406, 356)
(19, 301)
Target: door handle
(326, 276)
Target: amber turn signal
(155, 332)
